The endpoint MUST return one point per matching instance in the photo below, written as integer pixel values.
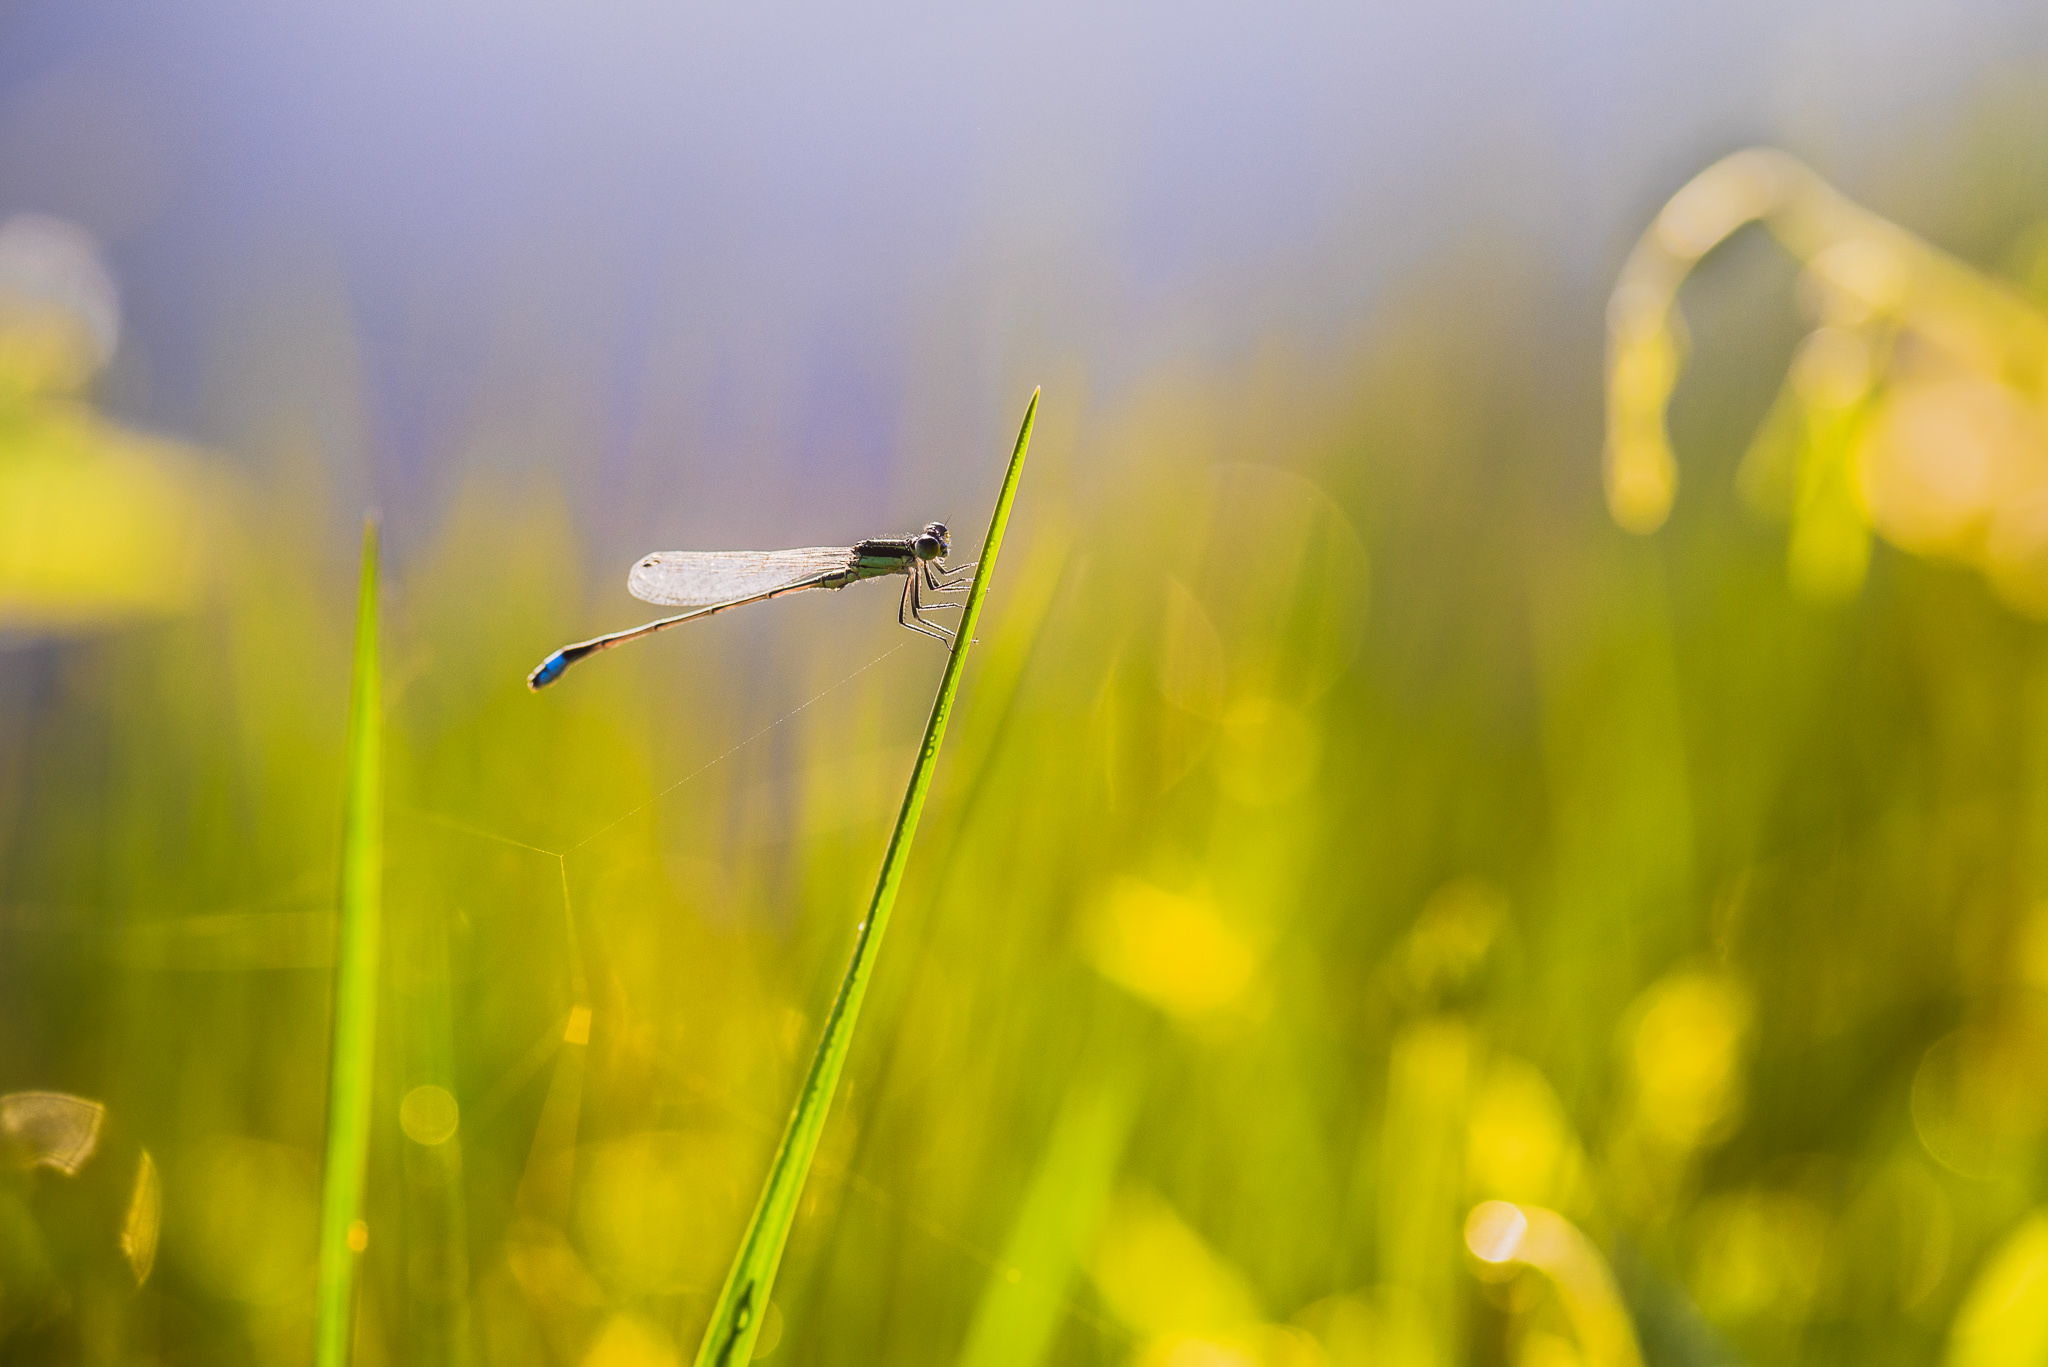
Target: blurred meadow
(1499, 814)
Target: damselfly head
(932, 542)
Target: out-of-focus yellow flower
(1645, 346)
(1173, 950)
(1642, 473)
(1541, 1349)
(1521, 1146)
(1856, 280)
(1505, 1237)
(629, 1341)
(97, 524)
(1943, 455)
(1189, 1307)
(1685, 1048)
(1733, 191)
(2003, 1320)
(1915, 408)
(1192, 1350)
(1162, 1278)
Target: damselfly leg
(910, 612)
(952, 580)
(919, 607)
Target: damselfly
(706, 582)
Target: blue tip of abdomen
(550, 670)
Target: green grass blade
(729, 1338)
(1025, 1299)
(353, 1050)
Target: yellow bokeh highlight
(145, 1219)
(1521, 1146)
(1269, 1345)
(1163, 1280)
(1505, 1237)
(1685, 1049)
(1541, 1349)
(97, 524)
(770, 1337)
(429, 1114)
(1172, 949)
(1494, 1231)
(629, 1341)
(1188, 1350)
(2003, 1319)
(1979, 1098)
(1943, 454)
(1186, 1304)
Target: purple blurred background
(717, 268)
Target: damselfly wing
(702, 579)
(707, 582)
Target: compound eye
(927, 547)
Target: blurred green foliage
(1347, 826)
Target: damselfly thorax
(708, 582)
